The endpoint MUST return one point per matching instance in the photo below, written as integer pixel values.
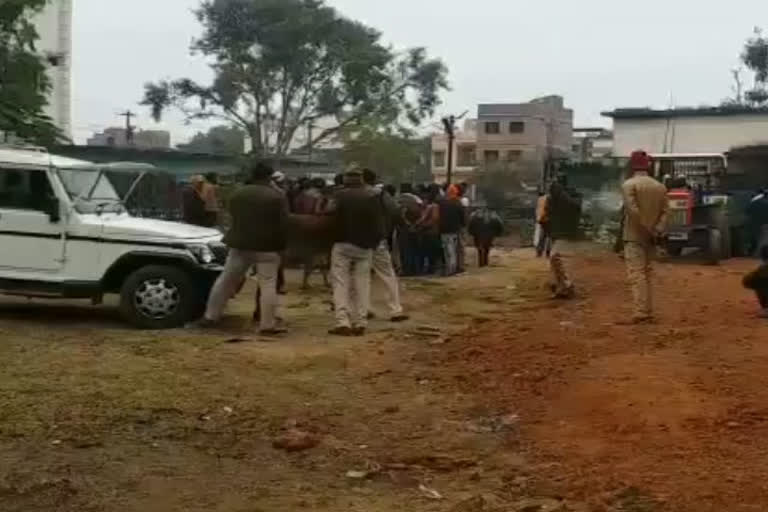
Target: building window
(516, 127)
(513, 155)
(490, 156)
(492, 128)
(438, 158)
(467, 156)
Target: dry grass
(94, 416)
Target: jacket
(645, 209)
(563, 212)
(452, 216)
(359, 217)
(259, 216)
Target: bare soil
(491, 399)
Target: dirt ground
(491, 399)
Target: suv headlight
(202, 253)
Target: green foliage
(280, 65)
(223, 139)
(394, 157)
(755, 57)
(23, 80)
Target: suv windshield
(90, 190)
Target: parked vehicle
(698, 204)
(65, 233)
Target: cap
(640, 160)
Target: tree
(280, 65)
(219, 139)
(395, 157)
(755, 57)
(24, 84)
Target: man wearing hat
(360, 227)
(645, 213)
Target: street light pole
(449, 123)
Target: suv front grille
(220, 252)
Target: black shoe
(371, 316)
(358, 331)
(275, 331)
(202, 323)
(342, 330)
(399, 318)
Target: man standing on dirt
(360, 225)
(564, 215)
(382, 257)
(252, 244)
(645, 213)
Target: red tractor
(698, 209)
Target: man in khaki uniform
(645, 212)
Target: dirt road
(492, 399)
(672, 416)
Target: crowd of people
(354, 229)
(358, 228)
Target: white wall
(54, 26)
(695, 134)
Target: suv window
(24, 189)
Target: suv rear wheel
(159, 297)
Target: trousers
(384, 269)
(450, 253)
(638, 258)
(560, 250)
(234, 273)
(351, 279)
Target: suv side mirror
(52, 209)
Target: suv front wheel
(159, 297)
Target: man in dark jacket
(259, 216)
(382, 257)
(360, 229)
(564, 215)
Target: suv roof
(38, 158)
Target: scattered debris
(430, 493)
(295, 440)
(392, 409)
(238, 340)
(371, 469)
(227, 410)
(56, 442)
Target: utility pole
(129, 128)
(449, 124)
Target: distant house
(142, 139)
(687, 130)
(505, 134)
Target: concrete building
(464, 154)
(592, 144)
(142, 139)
(523, 132)
(507, 134)
(687, 130)
(54, 26)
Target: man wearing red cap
(645, 212)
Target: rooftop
(649, 113)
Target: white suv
(64, 232)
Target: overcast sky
(598, 54)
